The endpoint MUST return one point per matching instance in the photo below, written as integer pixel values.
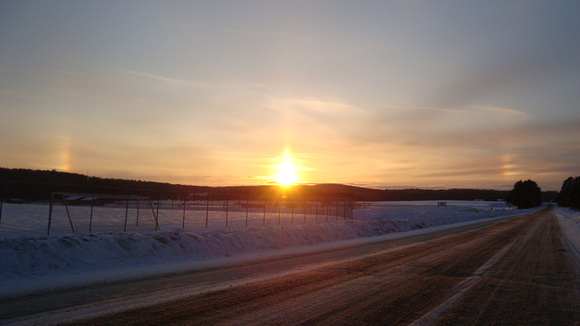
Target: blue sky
(436, 94)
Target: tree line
(569, 195)
(38, 185)
(527, 194)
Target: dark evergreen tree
(526, 194)
(569, 195)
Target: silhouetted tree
(569, 195)
(526, 194)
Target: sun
(287, 172)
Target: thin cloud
(313, 105)
(168, 80)
(498, 109)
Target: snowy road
(512, 271)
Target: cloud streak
(176, 82)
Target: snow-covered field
(32, 219)
(30, 262)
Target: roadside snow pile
(29, 257)
(570, 225)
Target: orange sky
(380, 94)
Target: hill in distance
(37, 185)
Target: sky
(383, 94)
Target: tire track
(393, 287)
(532, 285)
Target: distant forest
(38, 185)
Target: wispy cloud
(167, 80)
(498, 110)
(313, 105)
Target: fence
(106, 209)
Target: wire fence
(64, 209)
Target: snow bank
(29, 256)
(28, 262)
(570, 224)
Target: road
(510, 272)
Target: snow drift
(29, 263)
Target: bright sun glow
(287, 172)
